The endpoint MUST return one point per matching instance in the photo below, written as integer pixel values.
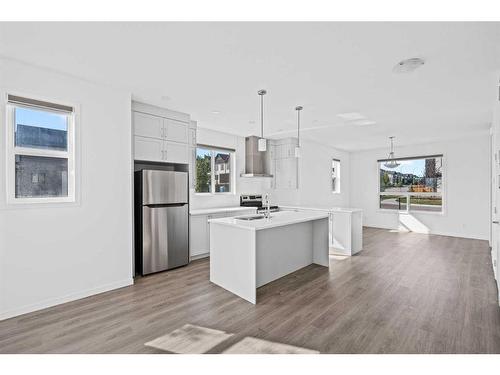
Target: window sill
(383, 211)
(14, 205)
(213, 194)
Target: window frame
(408, 211)
(232, 175)
(11, 150)
(337, 190)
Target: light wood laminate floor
(404, 293)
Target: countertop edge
(232, 224)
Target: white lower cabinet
(198, 235)
(199, 232)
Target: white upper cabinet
(147, 125)
(175, 152)
(148, 148)
(160, 134)
(175, 131)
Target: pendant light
(391, 162)
(297, 149)
(262, 145)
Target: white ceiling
(329, 68)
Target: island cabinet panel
(283, 250)
(233, 268)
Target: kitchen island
(346, 227)
(247, 253)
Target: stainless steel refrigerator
(161, 220)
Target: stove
(255, 200)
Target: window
(214, 171)
(335, 176)
(415, 185)
(40, 151)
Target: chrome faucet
(267, 212)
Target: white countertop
(277, 219)
(215, 210)
(324, 209)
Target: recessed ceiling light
(364, 122)
(408, 65)
(216, 112)
(351, 116)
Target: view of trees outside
(221, 172)
(203, 170)
(413, 176)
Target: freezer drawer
(163, 187)
(164, 237)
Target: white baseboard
(199, 256)
(437, 233)
(68, 298)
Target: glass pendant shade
(262, 144)
(297, 149)
(391, 162)
(297, 152)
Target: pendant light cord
(298, 128)
(262, 93)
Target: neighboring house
(222, 172)
(37, 175)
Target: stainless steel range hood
(257, 163)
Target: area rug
(189, 339)
(252, 345)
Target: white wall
(466, 174)
(50, 255)
(243, 185)
(315, 178)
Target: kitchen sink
(255, 217)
